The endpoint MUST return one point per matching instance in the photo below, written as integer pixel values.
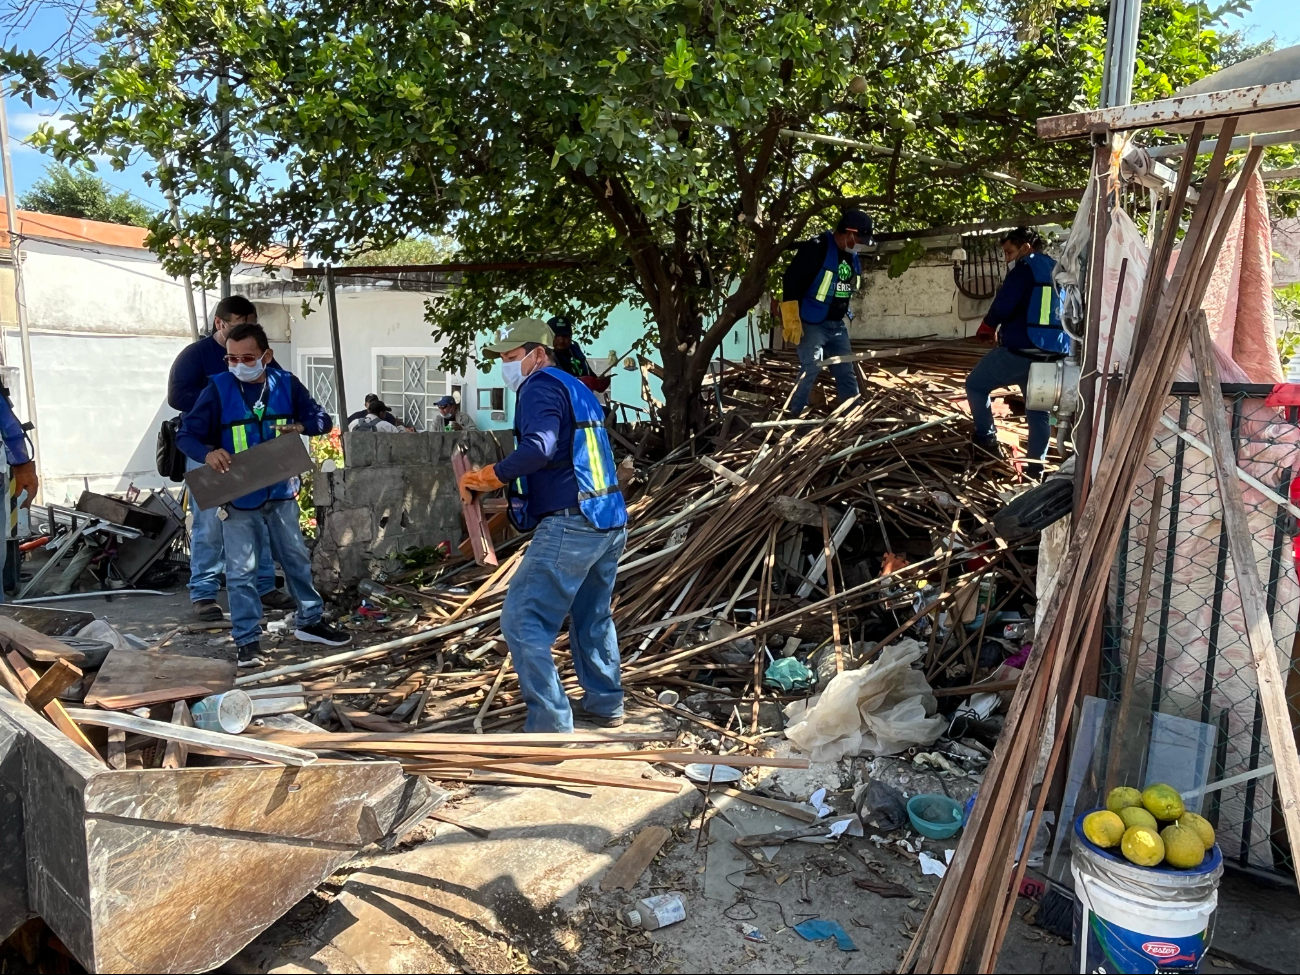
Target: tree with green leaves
(411, 250)
(80, 193)
(670, 151)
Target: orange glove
(480, 480)
(24, 478)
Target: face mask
(513, 374)
(247, 373)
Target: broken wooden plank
(712, 465)
(791, 809)
(177, 752)
(60, 676)
(236, 745)
(35, 646)
(133, 678)
(838, 535)
(476, 527)
(627, 870)
(117, 749)
(55, 710)
(1259, 631)
(450, 820)
(262, 465)
(803, 512)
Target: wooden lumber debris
(627, 870)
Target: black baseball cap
(855, 220)
(560, 325)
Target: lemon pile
(1131, 821)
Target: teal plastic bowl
(933, 815)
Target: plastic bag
(881, 708)
(883, 807)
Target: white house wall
(922, 302)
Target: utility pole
(20, 295)
(223, 93)
(1121, 52)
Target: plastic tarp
(883, 708)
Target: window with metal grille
(410, 386)
(318, 377)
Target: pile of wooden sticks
(967, 920)
(758, 534)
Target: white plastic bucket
(230, 712)
(1141, 919)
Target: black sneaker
(208, 610)
(249, 655)
(600, 720)
(322, 632)
(990, 445)
(278, 599)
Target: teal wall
(623, 327)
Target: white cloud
(23, 124)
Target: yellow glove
(791, 323)
(481, 480)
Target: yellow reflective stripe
(1045, 312)
(595, 461)
(824, 288)
(239, 436)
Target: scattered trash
(230, 712)
(885, 888)
(718, 774)
(790, 674)
(932, 867)
(882, 807)
(819, 929)
(652, 913)
(751, 933)
(818, 801)
(935, 816)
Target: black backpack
(171, 462)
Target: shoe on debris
(322, 632)
(600, 720)
(208, 610)
(249, 654)
(278, 599)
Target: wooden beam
(35, 646)
(236, 745)
(60, 676)
(1259, 631)
(55, 710)
(176, 753)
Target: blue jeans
(569, 569)
(1002, 367)
(826, 340)
(208, 556)
(243, 532)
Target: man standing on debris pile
(563, 486)
(251, 403)
(815, 294)
(1025, 321)
(197, 364)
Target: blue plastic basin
(933, 815)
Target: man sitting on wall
(190, 373)
(454, 417)
(250, 404)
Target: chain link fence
(1192, 657)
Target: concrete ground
(527, 898)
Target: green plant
(77, 192)
(328, 447)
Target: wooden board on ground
(55, 710)
(36, 646)
(133, 678)
(624, 874)
(250, 470)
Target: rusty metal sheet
(1280, 102)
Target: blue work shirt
(544, 446)
(200, 431)
(14, 437)
(1010, 308)
(198, 362)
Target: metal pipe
(88, 595)
(336, 344)
(20, 293)
(1240, 142)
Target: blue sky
(1265, 19)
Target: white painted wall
(922, 302)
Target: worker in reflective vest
(564, 487)
(251, 403)
(816, 289)
(1025, 321)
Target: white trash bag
(881, 708)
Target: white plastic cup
(230, 712)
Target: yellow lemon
(1201, 825)
(1163, 801)
(1123, 797)
(1142, 845)
(1104, 828)
(1137, 816)
(1183, 846)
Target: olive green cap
(518, 333)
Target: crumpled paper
(881, 708)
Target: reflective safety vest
(242, 428)
(816, 303)
(599, 495)
(1043, 316)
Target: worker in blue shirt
(1025, 321)
(197, 363)
(816, 290)
(563, 486)
(22, 469)
(249, 404)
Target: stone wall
(396, 491)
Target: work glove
(791, 322)
(25, 479)
(987, 333)
(481, 480)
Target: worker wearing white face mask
(564, 487)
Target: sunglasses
(246, 360)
